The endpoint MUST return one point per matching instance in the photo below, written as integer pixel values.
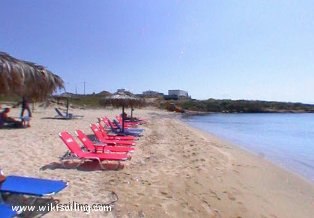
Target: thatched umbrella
(25, 78)
(124, 100)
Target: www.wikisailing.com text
(71, 206)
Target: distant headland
(239, 106)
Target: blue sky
(236, 49)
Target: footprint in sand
(231, 196)
(237, 172)
(111, 181)
(141, 194)
(165, 194)
(145, 182)
(214, 194)
(193, 161)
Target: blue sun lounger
(118, 130)
(32, 186)
(66, 116)
(6, 211)
(134, 130)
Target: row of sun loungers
(115, 146)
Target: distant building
(150, 93)
(121, 90)
(178, 93)
(67, 94)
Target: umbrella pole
(67, 106)
(122, 118)
(131, 113)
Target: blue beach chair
(31, 187)
(66, 116)
(6, 211)
(136, 130)
(118, 130)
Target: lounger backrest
(59, 112)
(70, 142)
(102, 129)
(85, 140)
(106, 121)
(117, 124)
(119, 118)
(102, 123)
(111, 125)
(96, 131)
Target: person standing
(25, 106)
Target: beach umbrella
(122, 99)
(27, 79)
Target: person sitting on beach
(125, 116)
(5, 119)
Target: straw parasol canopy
(123, 99)
(27, 79)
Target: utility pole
(84, 87)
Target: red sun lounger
(92, 147)
(112, 135)
(102, 139)
(77, 152)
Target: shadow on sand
(86, 166)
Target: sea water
(286, 139)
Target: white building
(121, 90)
(151, 93)
(179, 93)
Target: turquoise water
(285, 139)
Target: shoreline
(196, 113)
(252, 152)
(224, 140)
(175, 171)
(297, 182)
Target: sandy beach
(175, 171)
